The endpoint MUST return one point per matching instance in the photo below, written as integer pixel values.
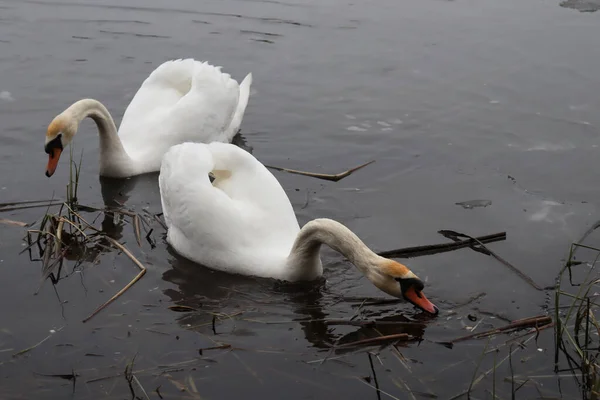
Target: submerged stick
(396, 337)
(25, 207)
(532, 322)
(18, 203)
(326, 177)
(13, 222)
(130, 284)
(417, 251)
(38, 343)
(503, 261)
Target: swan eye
(55, 143)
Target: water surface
(458, 101)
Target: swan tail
(244, 96)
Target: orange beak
(53, 161)
(419, 300)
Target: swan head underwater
(59, 135)
(397, 280)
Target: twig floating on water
(222, 347)
(325, 177)
(13, 222)
(136, 228)
(130, 284)
(179, 308)
(417, 251)
(396, 337)
(538, 323)
(503, 261)
(18, 203)
(37, 344)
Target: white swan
(181, 101)
(243, 222)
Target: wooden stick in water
(533, 322)
(376, 340)
(130, 284)
(417, 251)
(326, 177)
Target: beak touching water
(418, 299)
(53, 157)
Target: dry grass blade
(130, 284)
(13, 222)
(18, 203)
(136, 228)
(396, 337)
(538, 322)
(326, 177)
(26, 207)
(37, 344)
(157, 219)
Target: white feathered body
(243, 222)
(181, 101)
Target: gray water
(493, 101)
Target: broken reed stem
(538, 322)
(417, 251)
(130, 284)
(509, 265)
(326, 177)
(136, 228)
(38, 343)
(396, 337)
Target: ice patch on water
(550, 147)
(547, 213)
(356, 129)
(383, 123)
(6, 96)
(350, 116)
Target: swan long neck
(113, 157)
(304, 256)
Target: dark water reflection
(462, 106)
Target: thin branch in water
(130, 284)
(374, 377)
(38, 343)
(13, 222)
(136, 228)
(538, 322)
(326, 177)
(503, 261)
(417, 251)
(26, 207)
(396, 337)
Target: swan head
(397, 280)
(58, 136)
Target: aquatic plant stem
(326, 177)
(130, 284)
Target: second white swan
(243, 222)
(181, 101)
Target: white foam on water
(6, 96)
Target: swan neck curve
(304, 257)
(114, 160)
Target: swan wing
(182, 100)
(242, 222)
